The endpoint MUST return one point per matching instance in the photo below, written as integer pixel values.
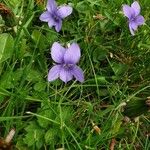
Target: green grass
(52, 115)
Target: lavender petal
(78, 73)
(54, 72)
(57, 52)
(51, 22)
(135, 5)
(45, 16)
(131, 29)
(64, 11)
(139, 20)
(73, 54)
(133, 25)
(65, 75)
(58, 25)
(51, 6)
(128, 11)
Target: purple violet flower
(55, 14)
(66, 59)
(134, 17)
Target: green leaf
(118, 68)
(111, 17)
(34, 76)
(7, 44)
(17, 75)
(6, 80)
(100, 80)
(51, 36)
(40, 86)
(82, 7)
(136, 107)
(15, 2)
(39, 39)
(50, 136)
(34, 136)
(99, 54)
(11, 79)
(116, 126)
(46, 113)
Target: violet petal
(73, 54)
(58, 25)
(51, 6)
(64, 11)
(57, 52)
(78, 73)
(65, 75)
(131, 29)
(139, 20)
(54, 72)
(45, 16)
(128, 11)
(135, 5)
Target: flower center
(56, 17)
(133, 18)
(68, 66)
